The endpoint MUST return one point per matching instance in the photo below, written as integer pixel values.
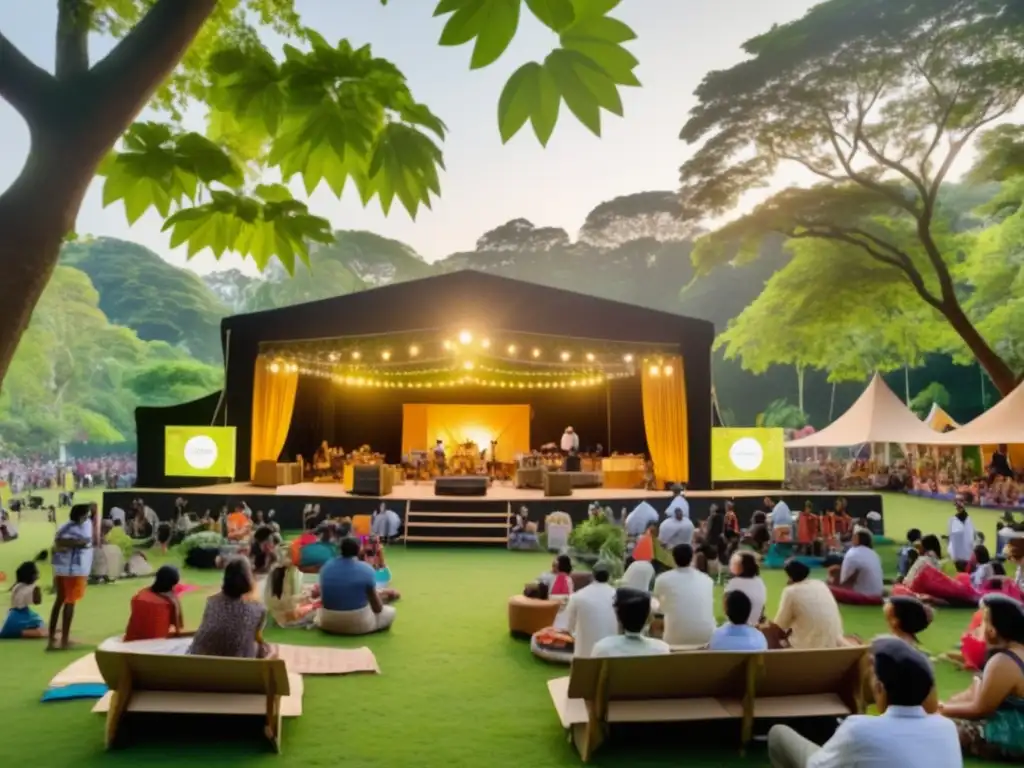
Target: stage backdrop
(425, 423)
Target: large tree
(877, 100)
(326, 113)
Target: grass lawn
(455, 689)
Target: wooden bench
(205, 685)
(698, 686)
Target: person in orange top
(239, 524)
(808, 527)
(156, 611)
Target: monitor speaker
(371, 480)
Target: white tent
(939, 420)
(878, 416)
(1003, 423)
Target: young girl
(22, 621)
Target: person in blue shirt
(737, 635)
(348, 591)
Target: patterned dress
(1000, 736)
(229, 628)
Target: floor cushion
(552, 645)
(527, 615)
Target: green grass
(455, 690)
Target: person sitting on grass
(72, 563)
(686, 598)
(21, 620)
(348, 588)
(859, 580)
(737, 634)
(982, 567)
(590, 613)
(156, 611)
(906, 734)
(232, 623)
(633, 610)
(313, 557)
(746, 578)
(989, 715)
(907, 617)
(808, 616)
(903, 561)
(289, 603)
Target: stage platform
(288, 502)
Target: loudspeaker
(460, 486)
(557, 484)
(371, 480)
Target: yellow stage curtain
(423, 424)
(1015, 453)
(665, 420)
(273, 400)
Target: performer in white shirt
(638, 521)
(678, 502)
(904, 735)
(385, 523)
(676, 530)
(961, 534)
(570, 441)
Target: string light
(512, 350)
(535, 353)
(275, 367)
(333, 357)
(667, 370)
(356, 355)
(465, 337)
(414, 351)
(627, 359)
(447, 344)
(655, 370)
(468, 365)
(485, 343)
(385, 355)
(565, 357)
(590, 357)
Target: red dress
(152, 617)
(807, 528)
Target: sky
(486, 183)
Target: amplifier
(460, 486)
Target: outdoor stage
(288, 502)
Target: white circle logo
(746, 454)
(201, 452)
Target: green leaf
(405, 164)
(611, 57)
(499, 27)
(465, 24)
(602, 28)
(586, 9)
(530, 94)
(554, 14)
(565, 67)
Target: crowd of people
(28, 474)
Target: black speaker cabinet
(372, 480)
(460, 486)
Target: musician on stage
(439, 458)
(570, 441)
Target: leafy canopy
(333, 114)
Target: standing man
(678, 529)
(678, 502)
(72, 563)
(961, 534)
(570, 441)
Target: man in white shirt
(633, 609)
(640, 518)
(678, 502)
(570, 441)
(961, 535)
(677, 530)
(686, 597)
(861, 572)
(905, 734)
(590, 613)
(385, 523)
(782, 515)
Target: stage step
(493, 515)
(431, 524)
(457, 540)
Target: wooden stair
(448, 527)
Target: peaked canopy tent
(877, 416)
(346, 368)
(1002, 424)
(939, 420)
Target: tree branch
(129, 75)
(74, 17)
(24, 85)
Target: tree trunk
(800, 388)
(998, 371)
(906, 383)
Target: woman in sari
(289, 604)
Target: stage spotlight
(512, 349)
(590, 357)
(447, 344)
(627, 358)
(655, 370)
(565, 357)
(333, 357)
(465, 337)
(385, 355)
(356, 355)
(414, 351)
(485, 343)
(521, 385)
(274, 367)
(572, 383)
(667, 370)
(535, 353)
(468, 365)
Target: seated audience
(313, 557)
(860, 580)
(385, 523)
(639, 575)
(239, 524)
(758, 534)
(907, 617)
(927, 578)
(905, 734)
(556, 583)
(21, 620)
(989, 715)
(982, 567)
(108, 559)
(746, 578)
(289, 604)
(263, 550)
(738, 634)
(156, 611)
(903, 561)
(686, 598)
(649, 549)
(633, 610)
(640, 519)
(232, 624)
(590, 613)
(348, 590)
(808, 612)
